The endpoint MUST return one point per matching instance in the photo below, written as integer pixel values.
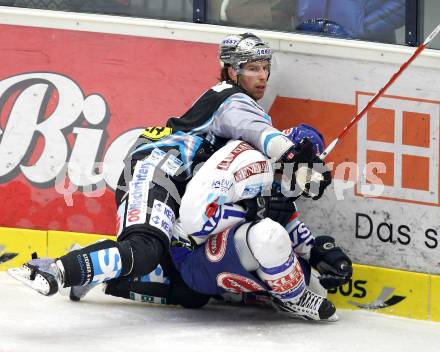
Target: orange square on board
(384, 171)
(415, 172)
(380, 125)
(415, 129)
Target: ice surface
(31, 322)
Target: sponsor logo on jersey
(156, 156)
(138, 194)
(85, 267)
(156, 132)
(215, 247)
(227, 161)
(250, 191)
(258, 167)
(162, 217)
(238, 284)
(171, 165)
(222, 185)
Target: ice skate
(40, 274)
(309, 307)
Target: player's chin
(258, 94)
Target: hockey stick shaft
(6, 257)
(402, 68)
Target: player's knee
(265, 243)
(269, 242)
(145, 252)
(278, 267)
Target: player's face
(253, 78)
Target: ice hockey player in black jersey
(162, 162)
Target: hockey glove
(277, 208)
(331, 262)
(309, 174)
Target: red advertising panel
(71, 104)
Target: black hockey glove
(331, 262)
(277, 208)
(309, 175)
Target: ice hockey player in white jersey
(259, 242)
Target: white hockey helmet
(238, 49)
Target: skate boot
(309, 307)
(41, 274)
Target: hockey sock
(96, 263)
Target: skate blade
(42, 283)
(302, 316)
(331, 319)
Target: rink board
(395, 292)
(435, 298)
(59, 242)
(388, 291)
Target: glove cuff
(322, 244)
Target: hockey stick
(332, 145)
(6, 257)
